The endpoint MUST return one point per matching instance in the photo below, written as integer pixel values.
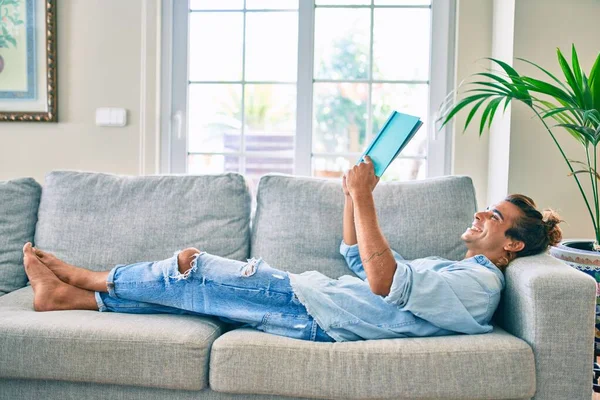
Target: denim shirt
(429, 297)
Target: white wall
(100, 54)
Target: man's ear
(514, 246)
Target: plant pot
(578, 254)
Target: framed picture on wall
(28, 87)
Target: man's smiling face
(487, 235)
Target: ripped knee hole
(185, 268)
(250, 268)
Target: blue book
(393, 137)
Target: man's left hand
(361, 179)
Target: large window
(301, 86)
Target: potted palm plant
(572, 105)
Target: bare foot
(50, 293)
(65, 272)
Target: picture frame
(28, 61)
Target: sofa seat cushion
(156, 350)
(496, 365)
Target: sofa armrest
(551, 306)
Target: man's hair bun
(551, 220)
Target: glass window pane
(271, 46)
(214, 116)
(402, 2)
(216, 4)
(216, 46)
(405, 169)
(401, 44)
(407, 98)
(271, 4)
(212, 164)
(342, 2)
(339, 117)
(270, 118)
(332, 166)
(258, 165)
(342, 43)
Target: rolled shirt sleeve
(452, 300)
(352, 257)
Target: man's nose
(478, 215)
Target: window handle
(178, 123)
(434, 127)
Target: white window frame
(174, 87)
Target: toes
(42, 255)
(27, 253)
(27, 248)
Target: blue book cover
(394, 135)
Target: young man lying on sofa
(389, 297)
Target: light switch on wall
(111, 116)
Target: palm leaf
(497, 78)
(516, 80)
(491, 107)
(564, 65)
(578, 162)
(595, 83)
(546, 72)
(462, 104)
(593, 116)
(494, 105)
(548, 113)
(492, 85)
(490, 91)
(584, 164)
(538, 86)
(587, 171)
(588, 100)
(576, 68)
(566, 119)
(484, 116)
(472, 113)
(506, 103)
(574, 111)
(587, 133)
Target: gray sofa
(541, 346)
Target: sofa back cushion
(99, 220)
(19, 202)
(298, 221)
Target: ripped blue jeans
(248, 294)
